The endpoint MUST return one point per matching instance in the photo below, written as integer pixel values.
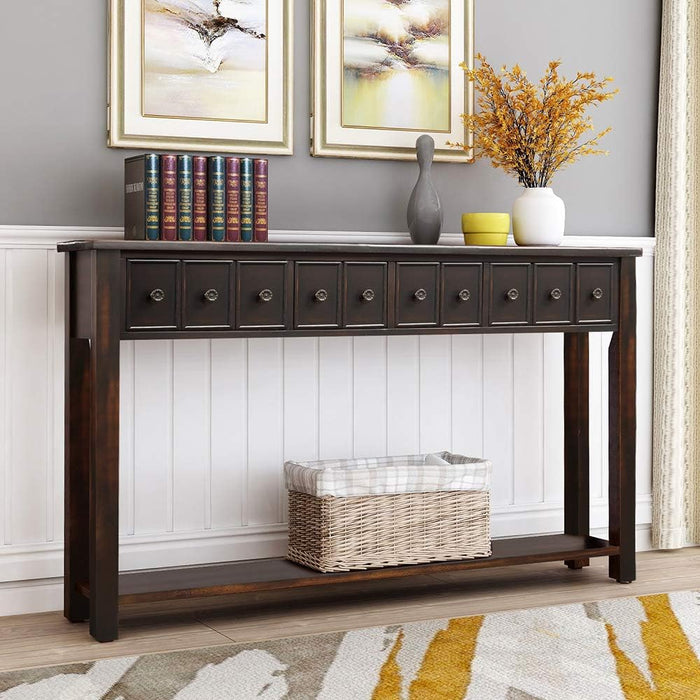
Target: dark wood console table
(136, 289)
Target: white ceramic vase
(538, 217)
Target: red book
(233, 199)
(260, 200)
(168, 198)
(199, 198)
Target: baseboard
(25, 597)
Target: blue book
(184, 198)
(217, 198)
(246, 199)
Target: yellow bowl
(485, 238)
(485, 223)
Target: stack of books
(195, 198)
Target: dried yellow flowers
(529, 130)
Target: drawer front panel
(554, 298)
(151, 297)
(317, 295)
(461, 294)
(207, 298)
(595, 293)
(417, 294)
(261, 295)
(509, 294)
(365, 295)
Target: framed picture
(387, 71)
(201, 75)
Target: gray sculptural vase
(424, 210)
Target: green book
(184, 198)
(246, 199)
(217, 198)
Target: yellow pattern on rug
(389, 686)
(439, 677)
(672, 662)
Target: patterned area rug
(647, 647)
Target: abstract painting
(201, 74)
(205, 59)
(387, 71)
(396, 64)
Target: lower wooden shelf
(270, 574)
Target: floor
(47, 638)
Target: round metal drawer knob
(556, 294)
(265, 295)
(211, 295)
(512, 295)
(597, 293)
(420, 295)
(368, 295)
(464, 295)
(321, 295)
(157, 295)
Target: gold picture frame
(332, 136)
(132, 125)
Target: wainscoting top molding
(49, 236)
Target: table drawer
(317, 295)
(595, 293)
(509, 294)
(261, 295)
(417, 294)
(152, 294)
(365, 295)
(207, 294)
(554, 284)
(461, 294)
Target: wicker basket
(331, 533)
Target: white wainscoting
(207, 424)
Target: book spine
(184, 198)
(152, 196)
(233, 199)
(168, 197)
(199, 198)
(260, 199)
(217, 198)
(246, 199)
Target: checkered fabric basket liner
(373, 530)
(384, 475)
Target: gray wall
(56, 170)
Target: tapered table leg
(623, 429)
(576, 440)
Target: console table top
(184, 247)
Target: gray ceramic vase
(424, 210)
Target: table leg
(576, 440)
(623, 428)
(104, 446)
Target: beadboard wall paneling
(206, 424)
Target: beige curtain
(676, 509)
